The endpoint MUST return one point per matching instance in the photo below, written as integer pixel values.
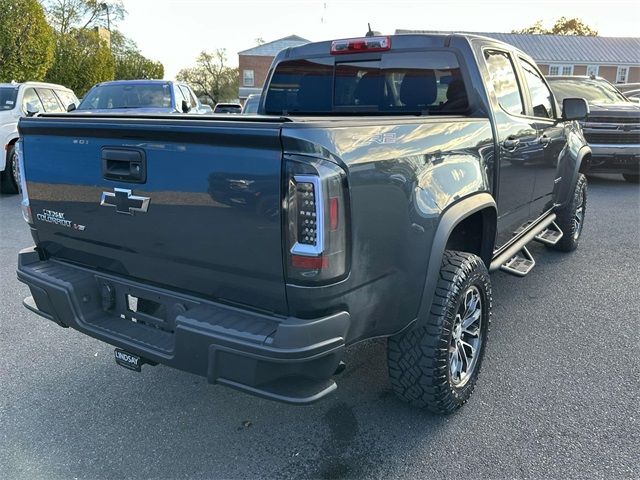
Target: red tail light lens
(356, 45)
(316, 225)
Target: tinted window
(593, 91)
(429, 82)
(8, 97)
(127, 96)
(503, 79)
(49, 100)
(541, 97)
(30, 97)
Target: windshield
(593, 91)
(396, 83)
(8, 97)
(127, 96)
(251, 105)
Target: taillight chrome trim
(318, 248)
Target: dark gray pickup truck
(384, 179)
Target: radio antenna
(370, 32)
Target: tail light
(24, 204)
(316, 221)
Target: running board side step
(510, 253)
(550, 235)
(520, 264)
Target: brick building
(254, 63)
(615, 58)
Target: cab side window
(179, 98)
(187, 94)
(503, 78)
(31, 97)
(541, 96)
(50, 101)
(66, 98)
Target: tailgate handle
(124, 164)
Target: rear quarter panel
(402, 175)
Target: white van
(24, 99)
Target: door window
(31, 97)
(191, 101)
(503, 79)
(541, 97)
(179, 98)
(66, 98)
(50, 101)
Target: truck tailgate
(188, 204)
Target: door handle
(544, 140)
(124, 165)
(511, 143)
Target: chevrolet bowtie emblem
(124, 201)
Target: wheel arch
(453, 226)
(9, 142)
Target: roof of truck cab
(134, 82)
(406, 40)
(35, 84)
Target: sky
(175, 31)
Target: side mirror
(31, 109)
(71, 107)
(575, 109)
(185, 107)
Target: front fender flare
(450, 218)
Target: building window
(247, 78)
(560, 69)
(622, 75)
(593, 70)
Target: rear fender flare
(448, 222)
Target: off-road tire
(631, 177)
(7, 181)
(566, 217)
(419, 359)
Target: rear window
(8, 97)
(127, 96)
(397, 83)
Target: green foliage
(135, 66)
(68, 15)
(563, 26)
(130, 64)
(82, 59)
(211, 78)
(26, 41)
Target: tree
(26, 41)
(211, 78)
(82, 59)
(130, 64)
(563, 26)
(67, 15)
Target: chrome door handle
(511, 143)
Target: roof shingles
(567, 48)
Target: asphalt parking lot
(557, 397)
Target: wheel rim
(466, 337)
(14, 170)
(578, 218)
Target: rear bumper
(606, 158)
(280, 358)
